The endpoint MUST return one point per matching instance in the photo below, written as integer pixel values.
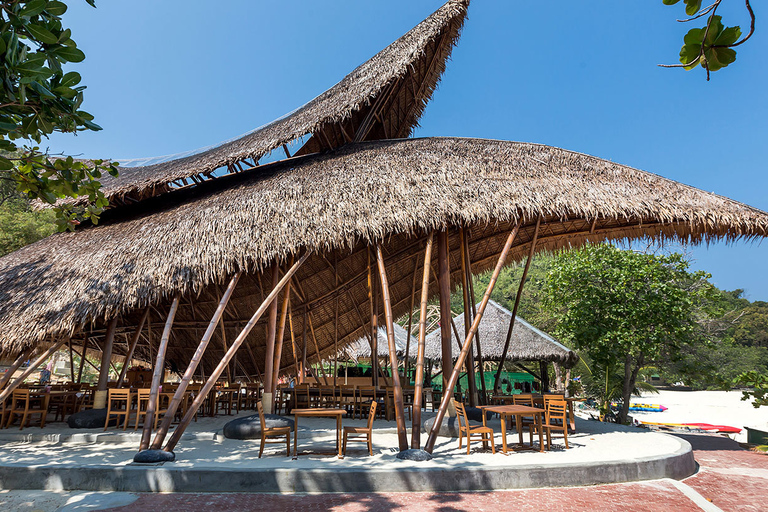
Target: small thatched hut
(526, 344)
(361, 348)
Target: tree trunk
(630, 377)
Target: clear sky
(172, 76)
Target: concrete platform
(58, 458)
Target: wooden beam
(132, 348)
(444, 287)
(471, 309)
(185, 421)
(398, 391)
(497, 380)
(269, 365)
(419, 377)
(157, 377)
(281, 335)
(178, 395)
(468, 341)
(470, 367)
(106, 356)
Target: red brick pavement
(731, 478)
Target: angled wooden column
(281, 335)
(471, 310)
(173, 441)
(23, 356)
(5, 393)
(132, 347)
(106, 355)
(374, 324)
(444, 288)
(157, 377)
(410, 319)
(269, 358)
(497, 380)
(418, 389)
(398, 391)
(178, 395)
(468, 341)
(470, 366)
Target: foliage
(625, 309)
(759, 384)
(19, 224)
(712, 45)
(39, 98)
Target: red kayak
(698, 426)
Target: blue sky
(172, 76)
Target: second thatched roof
(527, 343)
(361, 348)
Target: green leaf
(694, 36)
(715, 28)
(728, 36)
(69, 54)
(33, 8)
(56, 8)
(692, 7)
(69, 79)
(5, 164)
(39, 33)
(670, 2)
(718, 58)
(689, 55)
(2, 45)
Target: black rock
(449, 427)
(412, 454)
(154, 456)
(250, 426)
(90, 418)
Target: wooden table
(317, 412)
(517, 411)
(539, 400)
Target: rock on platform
(90, 418)
(250, 426)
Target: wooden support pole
(317, 351)
(544, 372)
(410, 319)
(374, 324)
(296, 362)
(178, 395)
(468, 341)
(23, 356)
(6, 392)
(223, 332)
(470, 366)
(303, 345)
(281, 335)
(269, 358)
(419, 378)
(132, 347)
(198, 401)
(82, 359)
(71, 362)
(444, 287)
(106, 355)
(398, 391)
(497, 380)
(157, 377)
(335, 323)
(471, 309)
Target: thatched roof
(393, 87)
(189, 242)
(361, 348)
(526, 344)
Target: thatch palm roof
(382, 98)
(526, 344)
(361, 348)
(189, 242)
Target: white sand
(715, 407)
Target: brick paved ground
(730, 478)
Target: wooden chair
(272, 433)
(143, 403)
(556, 418)
(118, 404)
(22, 404)
(303, 400)
(547, 398)
(485, 433)
(362, 434)
(365, 395)
(347, 398)
(327, 396)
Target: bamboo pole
(82, 358)
(157, 376)
(231, 352)
(223, 332)
(132, 347)
(468, 341)
(23, 356)
(281, 335)
(317, 352)
(470, 366)
(410, 319)
(418, 389)
(471, 309)
(71, 362)
(106, 355)
(5, 393)
(444, 287)
(503, 359)
(296, 364)
(374, 325)
(269, 358)
(336, 323)
(304, 346)
(178, 396)
(402, 437)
